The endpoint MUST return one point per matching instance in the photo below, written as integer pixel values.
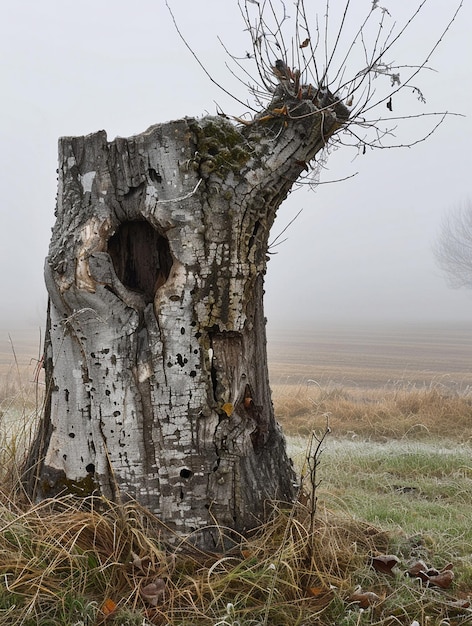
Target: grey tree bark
(155, 354)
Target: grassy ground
(394, 477)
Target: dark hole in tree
(154, 176)
(186, 473)
(141, 257)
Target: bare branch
(192, 52)
(284, 65)
(275, 242)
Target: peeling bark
(155, 352)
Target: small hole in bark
(72, 435)
(154, 176)
(90, 468)
(186, 473)
(141, 257)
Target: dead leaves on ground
(431, 576)
(153, 590)
(386, 564)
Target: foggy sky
(360, 250)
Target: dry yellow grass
(375, 413)
(404, 381)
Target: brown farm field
(373, 356)
(378, 381)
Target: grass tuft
(63, 565)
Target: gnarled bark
(156, 351)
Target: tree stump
(155, 355)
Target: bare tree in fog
(453, 249)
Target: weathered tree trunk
(155, 352)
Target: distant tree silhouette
(453, 248)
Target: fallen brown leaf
(153, 592)
(108, 607)
(417, 567)
(385, 563)
(316, 591)
(365, 598)
(142, 563)
(442, 580)
(432, 576)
